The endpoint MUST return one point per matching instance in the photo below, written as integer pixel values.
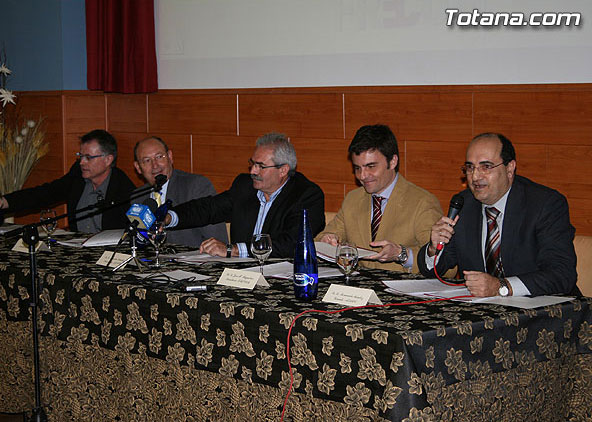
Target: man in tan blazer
(388, 213)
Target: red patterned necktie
(493, 261)
(376, 214)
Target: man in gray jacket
(152, 157)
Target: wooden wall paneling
(580, 215)
(225, 156)
(35, 105)
(127, 112)
(324, 160)
(537, 117)
(221, 183)
(296, 115)
(431, 115)
(84, 112)
(125, 153)
(180, 144)
(532, 162)
(569, 170)
(173, 112)
(334, 194)
(436, 165)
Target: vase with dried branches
(21, 140)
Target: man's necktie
(158, 198)
(376, 214)
(493, 259)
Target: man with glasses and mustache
(268, 200)
(511, 237)
(91, 179)
(152, 157)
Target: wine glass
(49, 224)
(346, 257)
(157, 236)
(261, 248)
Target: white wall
(285, 43)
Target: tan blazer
(408, 218)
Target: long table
(114, 347)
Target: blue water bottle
(306, 270)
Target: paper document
(104, 238)
(195, 257)
(174, 275)
(327, 252)
(285, 270)
(5, 228)
(431, 288)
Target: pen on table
(201, 288)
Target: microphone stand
(131, 231)
(30, 236)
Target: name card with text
(21, 247)
(242, 279)
(118, 258)
(351, 296)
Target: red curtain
(120, 46)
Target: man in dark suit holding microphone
(511, 237)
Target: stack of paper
(327, 252)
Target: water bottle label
(303, 279)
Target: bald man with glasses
(511, 237)
(91, 179)
(268, 200)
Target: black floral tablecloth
(388, 359)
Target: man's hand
(330, 238)
(3, 202)
(442, 231)
(167, 219)
(482, 284)
(215, 247)
(390, 251)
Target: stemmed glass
(157, 236)
(346, 257)
(261, 248)
(49, 224)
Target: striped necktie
(376, 214)
(493, 261)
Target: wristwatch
(403, 256)
(503, 290)
(228, 250)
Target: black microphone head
(159, 180)
(151, 203)
(456, 203)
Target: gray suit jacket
(183, 187)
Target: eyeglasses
(262, 166)
(88, 157)
(149, 160)
(484, 168)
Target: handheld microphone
(142, 214)
(456, 203)
(159, 181)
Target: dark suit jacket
(182, 188)
(240, 206)
(68, 188)
(537, 240)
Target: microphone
(142, 214)
(159, 181)
(456, 203)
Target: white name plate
(118, 258)
(351, 296)
(21, 247)
(242, 279)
